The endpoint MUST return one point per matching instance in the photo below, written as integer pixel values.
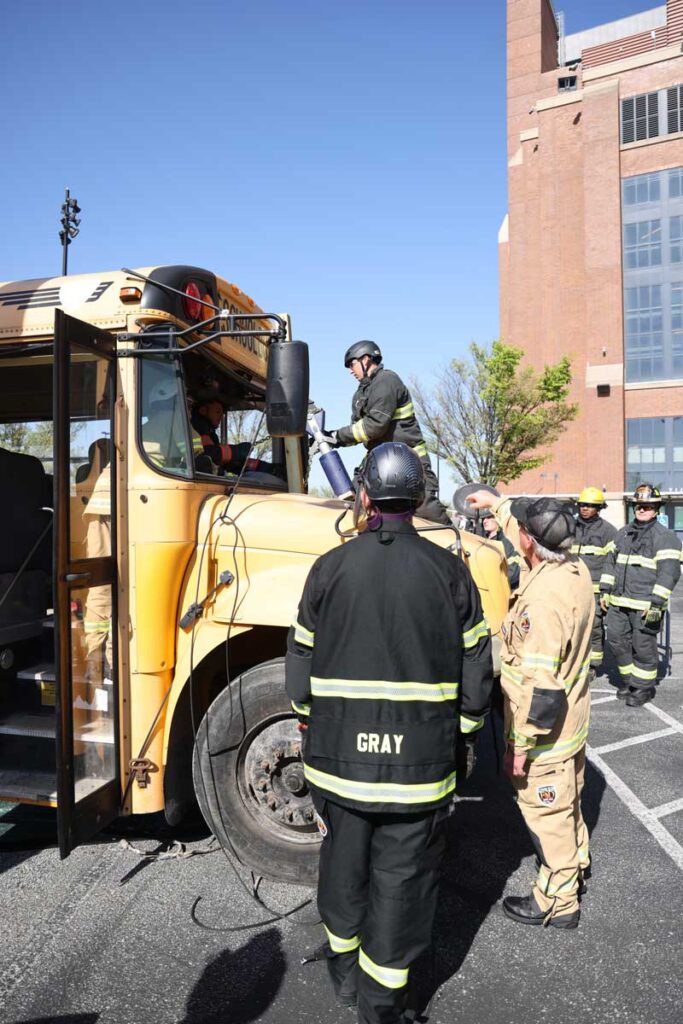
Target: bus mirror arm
(278, 334)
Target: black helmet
(647, 493)
(393, 472)
(362, 348)
(548, 520)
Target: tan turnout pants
(549, 797)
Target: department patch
(322, 827)
(546, 795)
(525, 622)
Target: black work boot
(623, 692)
(525, 910)
(636, 698)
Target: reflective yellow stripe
(97, 625)
(543, 882)
(596, 657)
(389, 977)
(533, 661)
(101, 504)
(608, 579)
(643, 673)
(661, 591)
(380, 689)
(514, 560)
(518, 739)
(301, 709)
(625, 670)
(471, 637)
(421, 450)
(513, 675)
(590, 549)
(596, 588)
(668, 553)
(197, 445)
(381, 792)
(302, 635)
(565, 747)
(404, 412)
(628, 602)
(339, 945)
(470, 724)
(647, 563)
(358, 431)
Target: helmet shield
(648, 494)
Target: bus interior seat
(22, 519)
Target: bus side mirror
(287, 388)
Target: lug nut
(272, 805)
(263, 786)
(265, 765)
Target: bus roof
(108, 300)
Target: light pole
(70, 222)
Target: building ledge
(639, 60)
(562, 100)
(651, 142)
(651, 385)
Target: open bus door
(88, 774)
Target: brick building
(591, 250)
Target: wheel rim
(271, 781)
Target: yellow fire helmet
(592, 496)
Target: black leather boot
(525, 910)
(636, 698)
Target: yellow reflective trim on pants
(389, 977)
(564, 747)
(404, 412)
(97, 625)
(358, 431)
(665, 553)
(471, 637)
(380, 689)
(661, 591)
(643, 673)
(633, 603)
(339, 945)
(302, 635)
(625, 670)
(381, 792)
(301, 709)
(596, 657)
(468, 725)
(543, 882)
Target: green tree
(493, 418)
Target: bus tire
(248, 778)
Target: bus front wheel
(249, 779)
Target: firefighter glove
(653, 616)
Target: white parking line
(646, 816)
(634, 741)
(670, 808)
(669, 719)
(603, 700)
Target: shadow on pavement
(487, 842)
(239, 986)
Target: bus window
(163, 417)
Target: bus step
(38, 787)
(42, 672)
(40, 727)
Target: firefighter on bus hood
(387, 622)
(635, 587)
(382, 410)
(594, 542)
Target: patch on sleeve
(525, 622)
(547, 795)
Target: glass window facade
(654, 452)
(652, 222)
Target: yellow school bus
(145, 590)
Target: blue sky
(343, 160)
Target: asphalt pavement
(107, 935)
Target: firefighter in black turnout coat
(388, 664)
(594, 543)
(635, 586)
(382, 410)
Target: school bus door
(88, 773)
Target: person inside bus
(207, 413)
